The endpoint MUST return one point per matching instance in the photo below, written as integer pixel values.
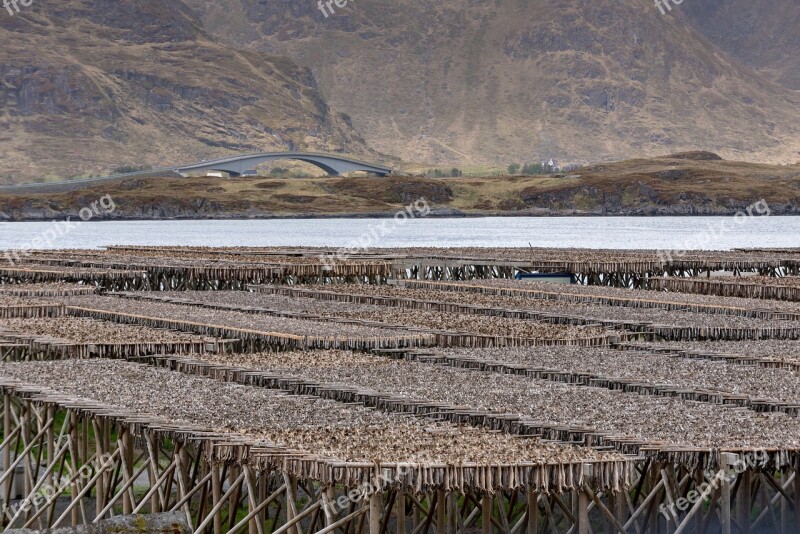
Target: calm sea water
(718, 233)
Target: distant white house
(551, 165)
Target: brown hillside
(90, 85)
(764, 34)
(494, 82)
(679, 184)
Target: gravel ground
(647, 418)
(323, 427)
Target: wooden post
(486, 515)
(100, 447)
(375, 509)
(453, 515)
(51, 442)
(155, 500)
(263, 485)
(330, 494)
(127, 443)
(743, 502)
(7, 451)
(698, 520)
(400, 510)
(27, 477)
(583, 512)
(441, 509)
(784, 506)
(73, 432)
(216, 496)
(796, 496)
(533, 512)
(85, 439)
(291, 502)
(725, 494)
(252, 501)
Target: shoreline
(390, 215)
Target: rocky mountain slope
(488, 82)
(90, 85)
(764, 34)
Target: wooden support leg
(401, 512)
(486, 514)
(533, 512)
(7, 429)
(452, 513)
(216, 496)
(441, 516)
(797, 498)
(330, 495)
(583, 512)
(725, 497)
(291, 500)
(127, 443)
(784, 509)
(263, 484)
(375, 509)
(27, 478)
(743, 502)
(75, 465)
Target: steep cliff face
(90, 85)
(459, 80)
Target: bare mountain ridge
(89, 85)
(459, 81)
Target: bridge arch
(332, 164)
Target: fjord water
(674, 233)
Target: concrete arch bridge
(333, 164)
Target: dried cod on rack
(449, 329)
(209, 452)
(256, 332)
(782, 289)
(75, 337)
(656, 322)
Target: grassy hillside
(675, 185)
